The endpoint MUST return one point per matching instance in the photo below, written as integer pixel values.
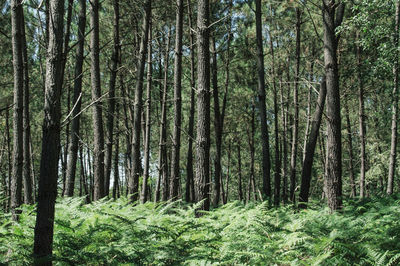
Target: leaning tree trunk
(47, 193)
(310, 147)
(202, 179)
(111, 101)
(133, 186)
(395, 103)
(17, 161)
(332, 18)
(266, 163)
(176, 133)
(189, 193)
(98, 151)
(77, 101)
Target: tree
(332, 18)
(77, 102)
(266, 163)
(17, 161)
(176, 145)
(202, 178)
(47, 193)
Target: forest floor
(110, 232)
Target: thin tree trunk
(9, 166)
(116, 191)
(266, 163)
(332, 18)
(189, 195)
(310, 147)
(98, 152)
(18, 66)
(27, 177)
(148, 119)
(137, 113)
(295, 128)
(202, 178)
(395, 103)
(228, 175)
(43, 238)
(77, 101)
(350, 147)
(240, 189)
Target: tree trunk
(350, 147)
(202, 179)
(266, 163)
(310, 147)
(18, 66)
(332, 18)
(176, 134)
(395, 103)
(47, 193)
(240, 189)
(111, 100)
(148, 119)
(27, 173)
(137, 112)
(98, 151)
(295, 128)
(77, 101)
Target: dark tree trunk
(310, 147)
(116, 191)
(350, 147)
(332, 18)
(77, 101)
(26, 171)
(9, 165)
(144, 194)
(395, 103)
(176, 134)
(47, 193)
(18, 66)
(266, 163)
(240, 189)
(98, 151)
(202, 179)
(137, 112)
(295, 129)
(189, 195)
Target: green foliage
(114, 232)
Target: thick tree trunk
(77, 101)
(189, 194)
(266, 163)
(310, 147)
(395, 103)
(144, 194)
(98, 151)
(111, 100)
(202, 179)
(18, 66)
(133, 189)
(295, 129)
(26, 171)
(47, 194)
(332, 18)
(176, 133)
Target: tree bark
(98, 132)
(202, 178)
(266, 163)
(133, 189)
(332, 18)
(395, 103)
(47, 193)
(176, 133)
(189, 193)
(295, 128)
(18, 66)
(77, 101)
(310, 147)
(144, 194)
(240, 189)
(111, 100)
(350, 147)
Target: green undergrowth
(115, 232)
